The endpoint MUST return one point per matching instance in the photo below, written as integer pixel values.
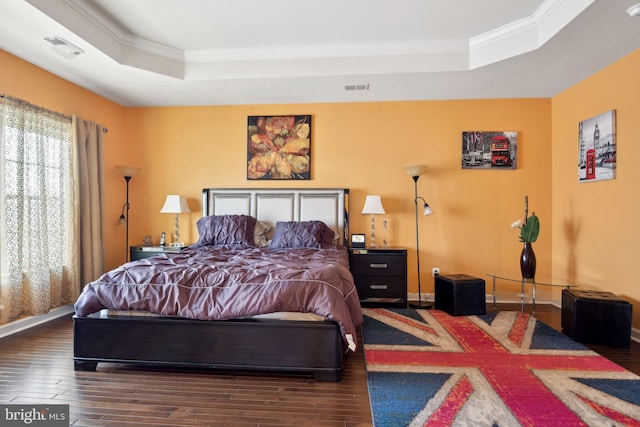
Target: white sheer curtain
(36, 207)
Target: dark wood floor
(36, 368)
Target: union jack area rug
(427, 368)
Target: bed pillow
(261, 233)
(226, 230)
(302, 234)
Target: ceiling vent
(63, 47)
(357, 87)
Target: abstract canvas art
(279, 147)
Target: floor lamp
(127, 172)
(415, 171)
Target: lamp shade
(175, 204)
(127, 170)
(415, 170)
(373, 205)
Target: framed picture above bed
(279, 147)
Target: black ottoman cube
(460, 294)
(596, 317)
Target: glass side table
(523, 282)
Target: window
(36, 209)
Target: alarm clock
(357, 241)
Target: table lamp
(176, 204)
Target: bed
(109, 325)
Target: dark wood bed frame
(244, 344)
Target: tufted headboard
(330, 205)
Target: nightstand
(143, 251)
(380, 276)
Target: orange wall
(364, 146)
(594, 239)
(361, 146)
(23, 80)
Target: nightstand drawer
(378, 265)
(380, 275)
(381, 287)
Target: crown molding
(518, 37)
(524, 35)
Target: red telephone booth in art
(591, 164)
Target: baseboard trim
(30, 322)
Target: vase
(528, 261)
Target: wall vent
(63, 47)
(357, 87)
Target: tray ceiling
(204, 52)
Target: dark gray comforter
(226, 282)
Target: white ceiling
(222, 52)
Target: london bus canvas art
(489, 150)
